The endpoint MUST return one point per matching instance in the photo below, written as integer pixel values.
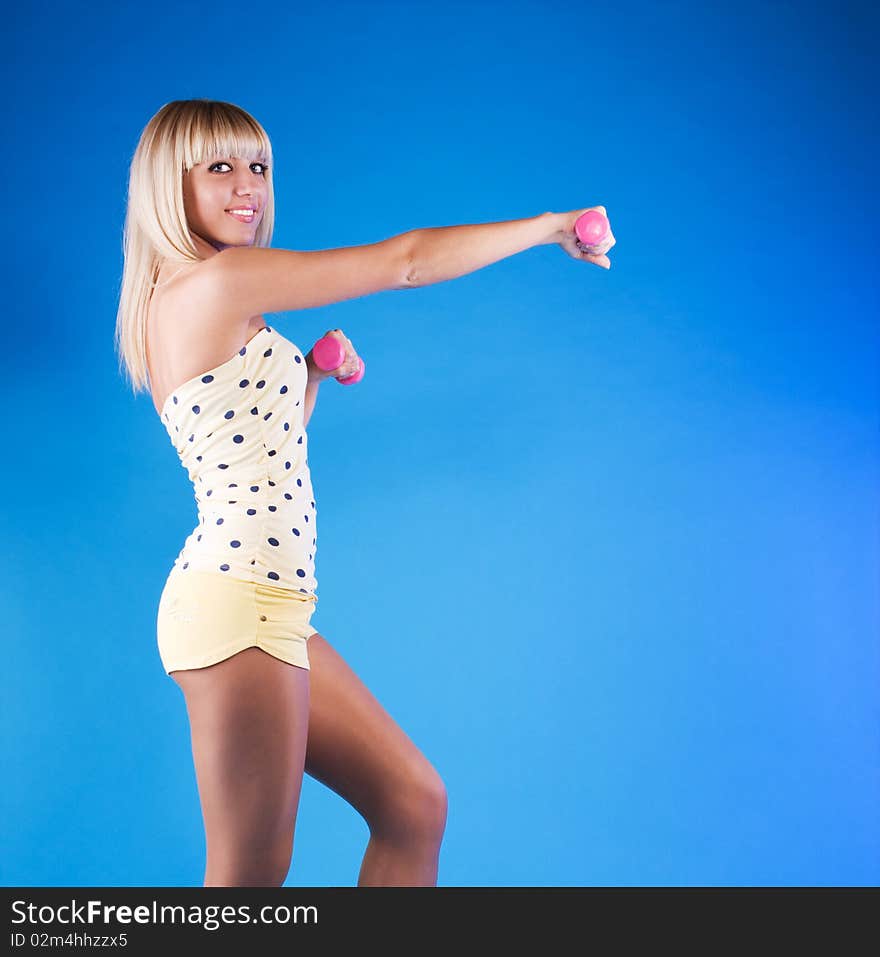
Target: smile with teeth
(244, 216)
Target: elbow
(410, 277)
(410, 271)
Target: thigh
(249, 721)
(354, 745)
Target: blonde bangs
(221, 130)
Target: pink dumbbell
(591, 229)
(329, 354)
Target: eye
(263, 166)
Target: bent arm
(310, 399)
(447, 252)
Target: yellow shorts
(205, 617)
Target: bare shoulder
(188, 300)
(190, 329)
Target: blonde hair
(182, 134)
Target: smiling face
(212, 188)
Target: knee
(433, 805)
(418, 809)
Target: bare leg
(356, 748)
(249, 723)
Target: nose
(248, 183)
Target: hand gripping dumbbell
(591, 230)
(329, 354)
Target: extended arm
(447, 252)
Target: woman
(267, 696)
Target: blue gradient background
(605, 544)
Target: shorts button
(262, 617)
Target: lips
(243, 216)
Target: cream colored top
(238, 430)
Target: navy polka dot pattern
(238, 430)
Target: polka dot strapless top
(238, 430)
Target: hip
(204, 616)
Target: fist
(576, 249)
(350, 364)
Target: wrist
(555, 227)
